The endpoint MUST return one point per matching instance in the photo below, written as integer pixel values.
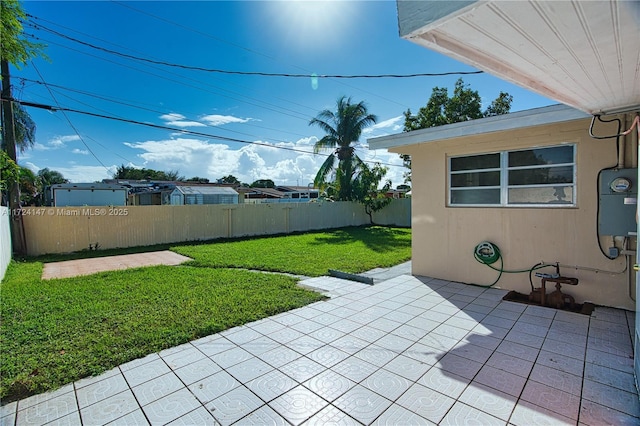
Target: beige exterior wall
(444, 237)
(64, 230)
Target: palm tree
(343, 128)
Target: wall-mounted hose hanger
(488, 253)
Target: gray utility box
(618, 200)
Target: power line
(69, 121)
(172, 129)
(247, 73)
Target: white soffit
(585, 54)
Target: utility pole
(9, 138)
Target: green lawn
(55, 332)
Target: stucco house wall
(444, 237)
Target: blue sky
(290, 37)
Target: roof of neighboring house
(516, 120)
(87, 186)
(206, 190)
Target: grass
(353, 250)
(57, 331)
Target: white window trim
(504, 180)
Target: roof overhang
(585, 54)
(517, 120)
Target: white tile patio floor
(408, 350)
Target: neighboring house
(280, 194)
(86, 194)
(203, 194)
(583, 54)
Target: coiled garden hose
(488, 253)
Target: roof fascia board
(516, 120)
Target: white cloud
(56, 142)
(80, 151)
(392, 125)
(178, 120)
(220, 120)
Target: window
(531, 177)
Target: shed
(86, 194)
(182, 195)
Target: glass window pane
(475, 179)
(474, 162)
(546, 195)
(545, 175)
(475, 196)
(532, 157)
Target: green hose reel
(488, 253)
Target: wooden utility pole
(9, 139)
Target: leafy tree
(198, 179)
(50, 177)
(229, 179)
(465, 104)
(24, 128)
(9, 173)
(366, 189)
(14, 47)
(127, 172)
(263, 183)
(29, 188)
(343, 128)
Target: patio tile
(621, 363)
(376, 355)
(288, 319)
(234, 405)
(524, 339)
(157, 388)
(611, 397)
(410, 332)
(134, 418)
(501, 380)
(199, 416)
(170, 407)
(472, 352)
(71, 419)
(362, 404)
(43, 397)
(94, 379)
(285, 335)
(510, 363)
(565, 336)
(398, 415)
(328, 334)
(260, 345)
(8, 409)
(298, 405)
(519, 351)
(409, 368)
(425, 354)
(614, 347)
(197, 371)
(145, 372)
(302, 369)
(491, 401)
(271, 385)
(263, 416)
(459, 366)
(280, 356)
(426, 402)
(213, 386)
(559, 362)
(479, 340)
(184, 357)
(109, 409)
(330, 415)
(528, 414)
(368, 334)
(307, 326)
(249, 369)
(387, 384)
(438, 342)
(305, 344)
(329, 385)
(498, 321)
(594, 414)
(347, 326)
(327, 356)
(525, 325)
(462, 414)
(231, 357)
(540, 311)
(506, 315)
(552, 399)
(97, 391)
(444, 382)
(213, 345)
(610, 377)
(48, 410)
(384, 324)
(349, 344)
(354, 369)
(557, 379)
(266, 326)
(138, 362)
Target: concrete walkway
(405, 351)
(78, 267)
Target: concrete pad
(74, 268)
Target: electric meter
(620, 184)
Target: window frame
(504, 186)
